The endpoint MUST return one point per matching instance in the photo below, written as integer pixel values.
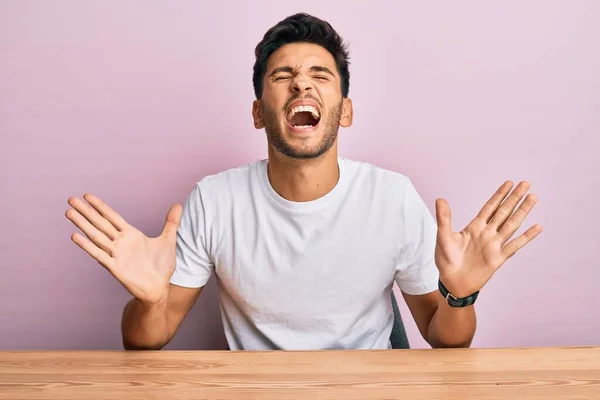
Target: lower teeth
(302, 126)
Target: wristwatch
(455, 301)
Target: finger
(507, 208)
(95, 235)
(514, 222)
(490, 207)
(443, 216)
(172, 222)
(97, 253)
(111, 216)
(517, 243)
(93, 217)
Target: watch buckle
(452, 296)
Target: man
(306, 245)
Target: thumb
(172, 222)
(443, 216)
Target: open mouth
(303, 117)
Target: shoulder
(389, 190)
(230, 180)
(224, 186)
(365, 175)
(230, 177)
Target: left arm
(466, 260)
(439, 324)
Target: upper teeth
(310, 109)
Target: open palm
(142, 264)
(468, 259)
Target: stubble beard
(329, 123)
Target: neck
(303, 180)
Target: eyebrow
(314, 68)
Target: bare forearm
(452, 327)
(145, 327)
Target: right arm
(142, 265)
(152, 326)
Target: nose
(301, 85)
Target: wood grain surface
(449, 374)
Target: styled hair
(305, 28)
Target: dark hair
(306, 28)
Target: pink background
(137, 100)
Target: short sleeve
(416, 272)
(193, 264)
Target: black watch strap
(455, 301)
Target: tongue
(303, 118)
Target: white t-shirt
(307, 275)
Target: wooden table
(449, 374)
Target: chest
(278, 266)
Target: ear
(347, 113)
(257, 114)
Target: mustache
(298, 97)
